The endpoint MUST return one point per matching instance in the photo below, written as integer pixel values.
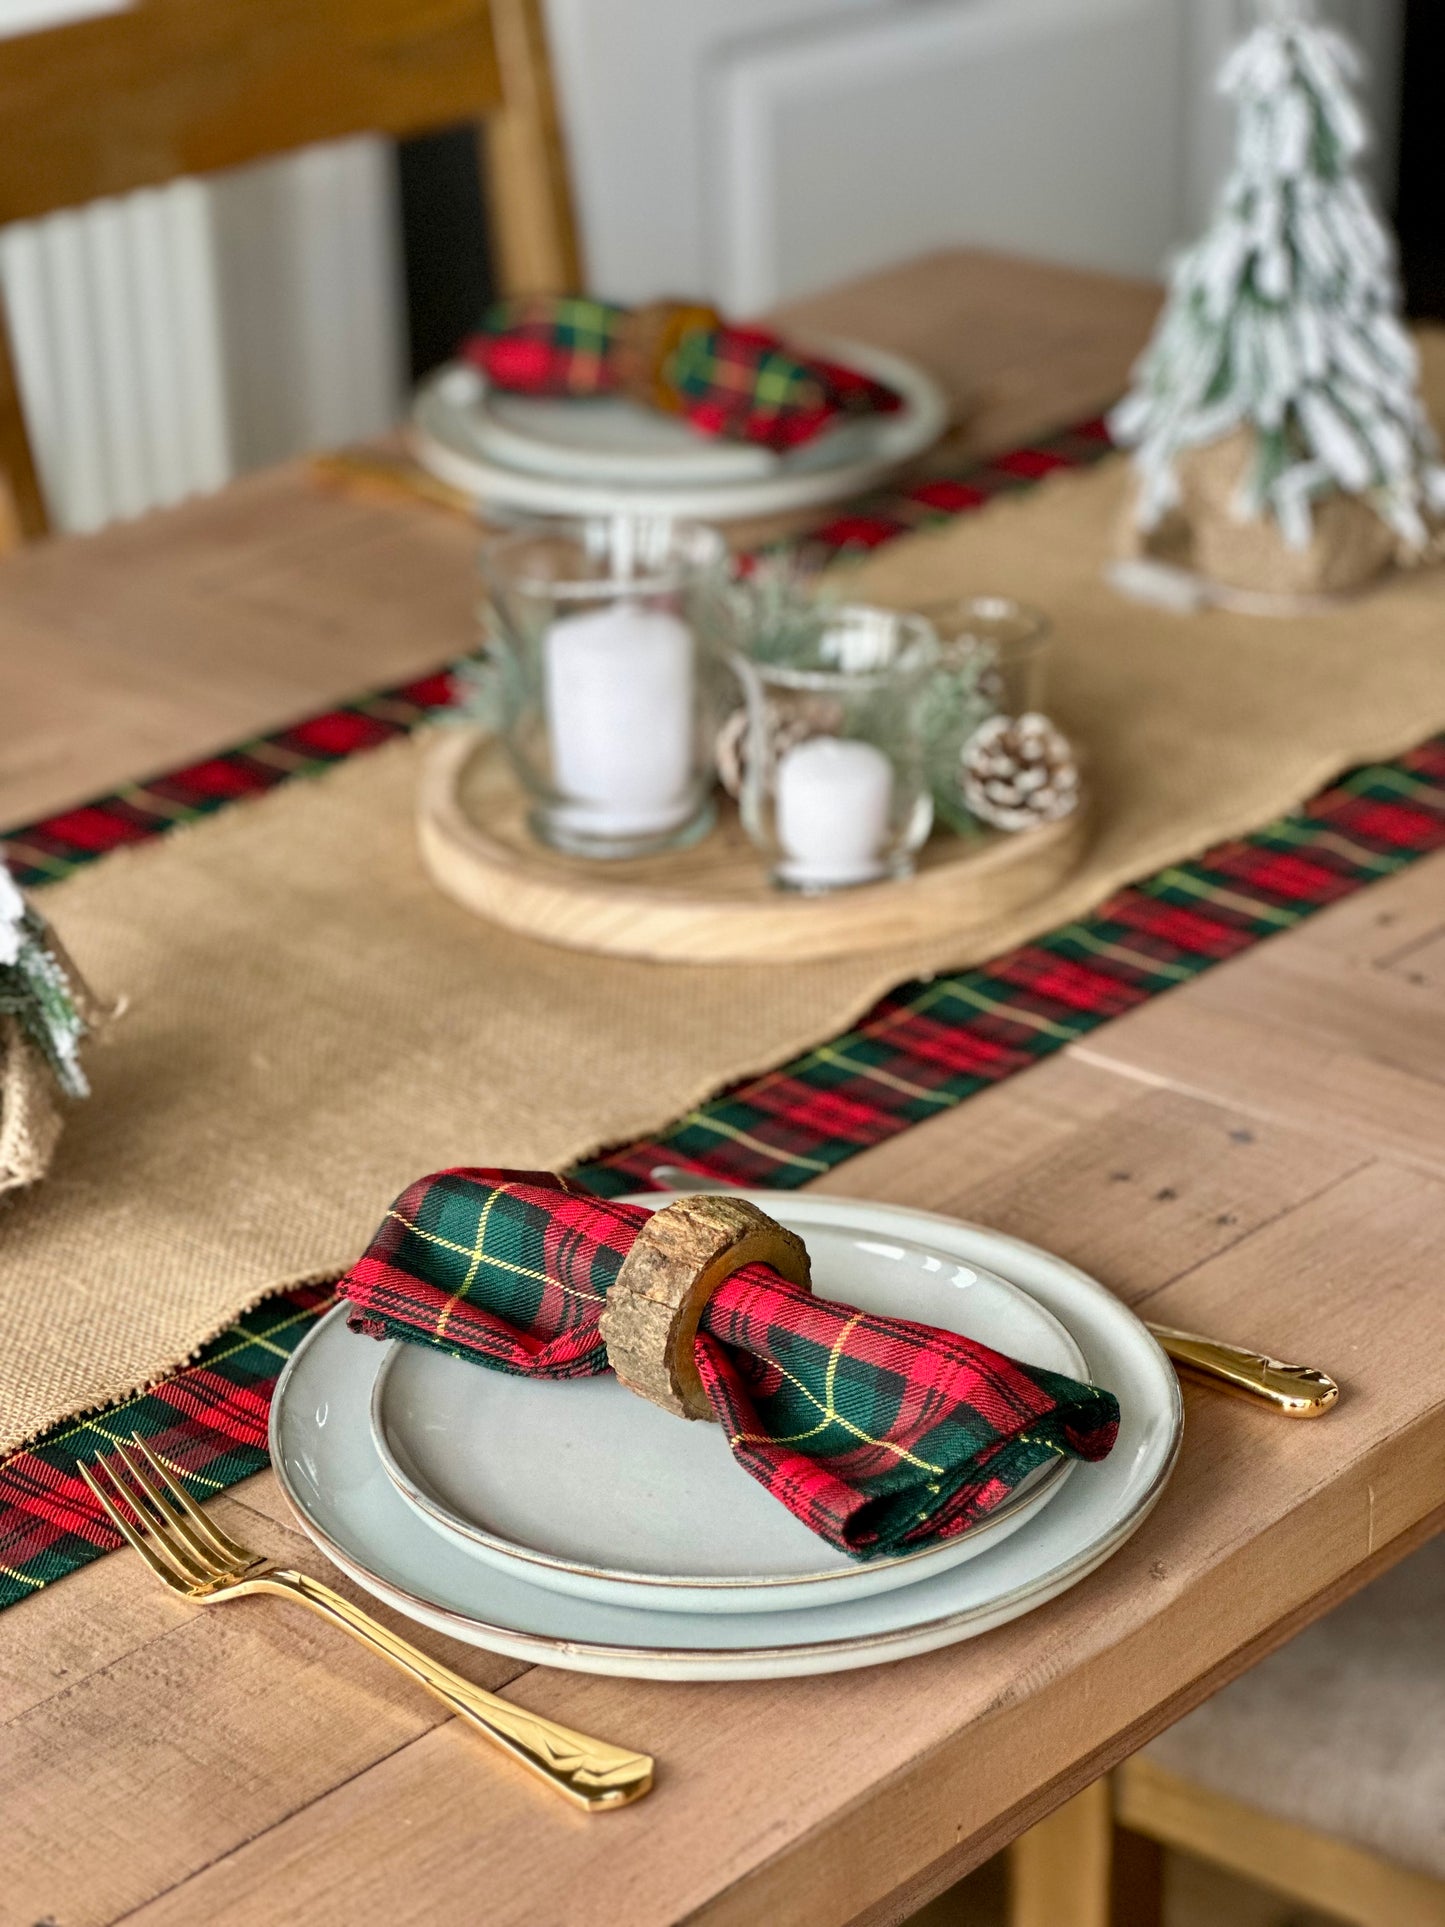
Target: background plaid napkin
(879, 1434)
(741, 384)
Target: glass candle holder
(993, 654)
(984, 634)
(605, 632)
(834, 787)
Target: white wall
(751, 149)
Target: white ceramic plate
(322, 1450)
(606, 440)
(586, 1488)
(594, 458)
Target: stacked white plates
(572, 1524)
(553, 456)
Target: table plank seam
(217, 1860)
(1097, 1058)
(187, 1618)
(1254, 1230)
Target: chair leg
(1136, 1880)
(1075, 1869)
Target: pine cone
(813, 716)
(1018, 772)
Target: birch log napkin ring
(682, 1254)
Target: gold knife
(1294, 1391)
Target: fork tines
(154, 1515)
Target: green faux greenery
(36, 990)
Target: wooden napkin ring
(682, 1254)
(644, 344)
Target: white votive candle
(619, 697)
(834, 800)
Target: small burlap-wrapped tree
(1282, 446)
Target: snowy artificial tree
(46, 1011)
(1281, 443)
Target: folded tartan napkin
(881, 1435)
(741, 384)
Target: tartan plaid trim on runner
(880, 1434)
(206, 1424)
(928, 1046)
(53, 846)
(923, 1049)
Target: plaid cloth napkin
(740, 384)
(881, 1435)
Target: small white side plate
(562, 457)
(584, 1487)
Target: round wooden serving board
(711, 903)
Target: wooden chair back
(172, 87)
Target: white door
(756, 149)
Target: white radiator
(167, 339)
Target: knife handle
(1295, 1391)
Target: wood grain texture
(681, 1255)
(210, 1724)
(817, 1802)
(169, 88)
(933, 1760)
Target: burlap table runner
(312, 1025)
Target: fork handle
(590, 1773)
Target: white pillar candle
(834, 801)
(619, 699)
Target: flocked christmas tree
(1282, 328)
(37, 990)
(46, 1013)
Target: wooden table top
(1260, 1154)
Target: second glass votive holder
(604, 630)
(993, 654)
(1005, 643)
(834, 787)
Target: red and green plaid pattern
(207, 1424)
(51, 848)
(46, 851)
(548, 345)
(509, 1268)
(740, 384)
(928, 1046)
(921, 1050)
(881, 1435)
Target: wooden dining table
(1259, 1155)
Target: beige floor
(1196, 1896)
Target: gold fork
(195, 1558)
